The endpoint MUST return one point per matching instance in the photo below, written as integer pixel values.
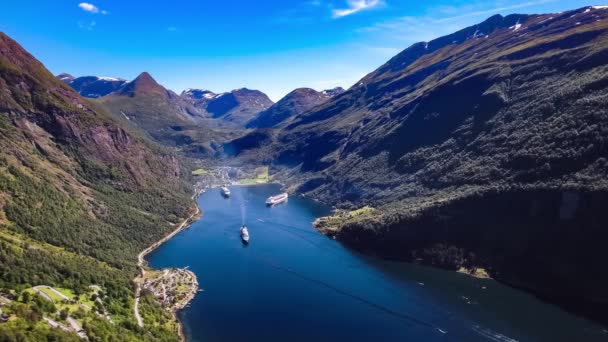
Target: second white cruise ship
(272, 200)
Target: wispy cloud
(441, 20)
(302, 12)
(355, 6)
(87, 25)
(497, 9)
(172, 29)
(88, 7)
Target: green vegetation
(28, 326)
(199, 172)
(80, 197)
(156, 319)
(261, 177)
(334, 222)
(67, 292)
(93, 251)
(361, 211)
(54, 296)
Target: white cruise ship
(272, 200)
(225, 191)
(245, 234)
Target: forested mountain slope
(80, 195)
(486, 147)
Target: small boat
(244, 234)
(272, 200)
(225, 191)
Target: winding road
(39, 290)
(141, 261)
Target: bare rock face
(36, 101)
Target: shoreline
(174, 310)
(141, 262)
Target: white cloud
(88, 7)
(355, 6)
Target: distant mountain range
(238, 106)
(294, 103)
(157, 111)
(92, 86)
(197, 121)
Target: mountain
(152, 108)
(483, 148)
(236, 107)
(333, 91)
(199, 98)
(66, 78)
(176, 121)
(143, 85)
(294, 103)
(92, 86)
(80, 196)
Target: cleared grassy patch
(66, 292)
(55, 297)
(333, 223)
(199, 172)
(71, 307)
(361, 211)
(261, 177)
(86, 300)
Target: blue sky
(271, 45)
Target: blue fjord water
(293, 284)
